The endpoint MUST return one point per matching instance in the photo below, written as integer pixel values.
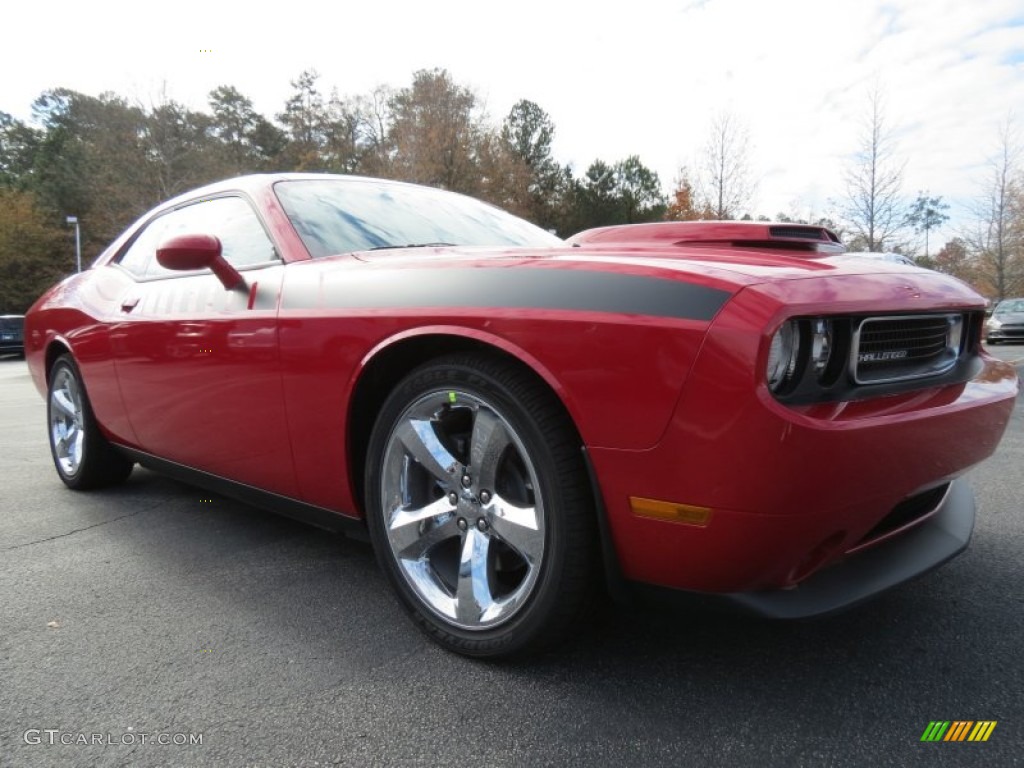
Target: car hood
(1009, 317)
(737, 266)
(618, 276)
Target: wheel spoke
(420, 440)
(60, 446)
(473, 600)
(76, 448)
(518, 527)
(487, 446)
(63, 403)
(409, 534)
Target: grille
(1012, 329)
(900, 348)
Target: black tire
(485, 571)
(83, 457)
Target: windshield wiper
(412, 245)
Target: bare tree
(874, 206)
(374, 110)
(725, 183)
(997, 240)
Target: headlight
(782, 356)
(821, 345)
(994, 324)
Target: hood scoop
(728, 234)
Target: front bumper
(787, 493)
(865, 574)
(1011, 334)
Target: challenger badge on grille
(906, 347)
(878, 357)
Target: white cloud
(617, 78)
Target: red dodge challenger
(519, 422)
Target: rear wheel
(479, 507)
(83, 457)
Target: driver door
(198, 365)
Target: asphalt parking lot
(157, 611)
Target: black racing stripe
(508, 288)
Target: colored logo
(958, 730)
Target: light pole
(78, 241)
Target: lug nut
(461, 522)
(485, 497)
(453, 498)
(481, 524)
(466, 481)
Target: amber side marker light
(687, 514)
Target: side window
(231, 219)
(142, 252)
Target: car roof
(254, 182)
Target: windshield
(343, 215)
(1013, 305)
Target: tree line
(107, 160)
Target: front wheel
(479, 507)
(83, 457)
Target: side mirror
(190, 252)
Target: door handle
(129, 304)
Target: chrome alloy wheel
(67, 417)
(463, 513)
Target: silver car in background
(1006, 323)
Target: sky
(643, 77)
